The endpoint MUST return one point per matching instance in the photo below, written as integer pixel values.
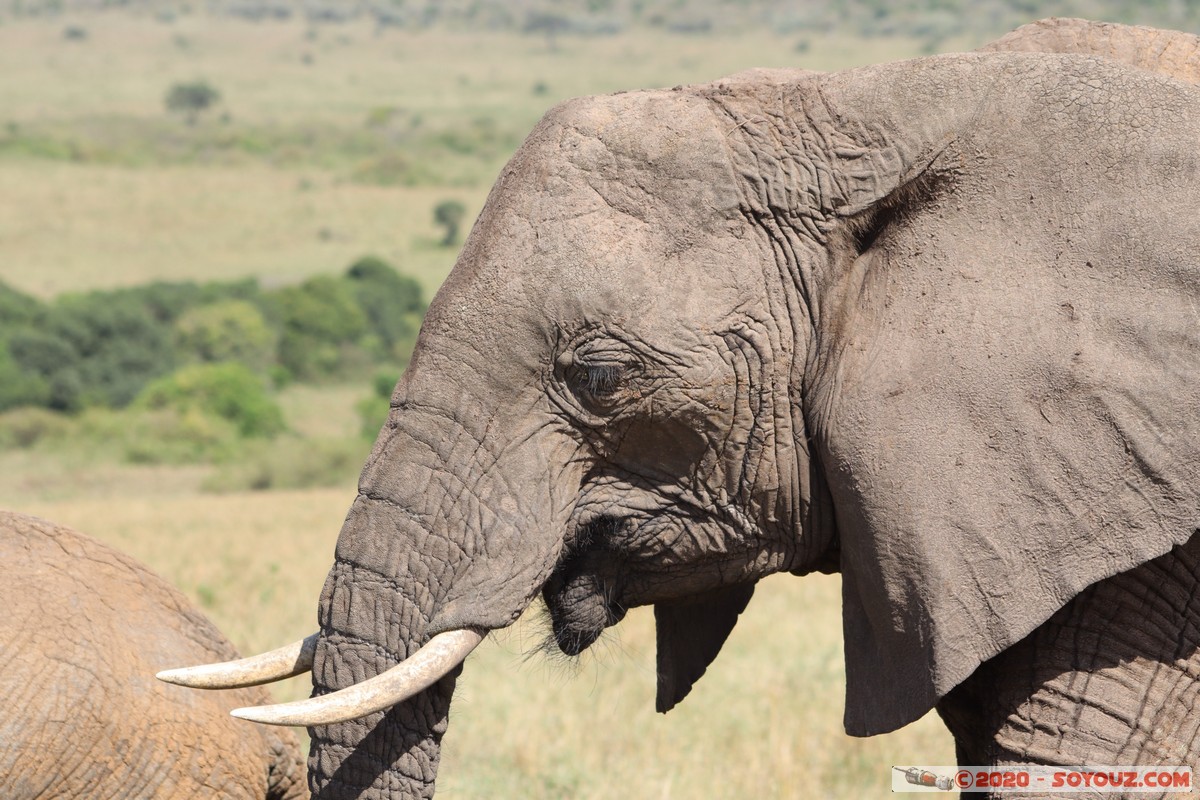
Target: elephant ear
(1007, 395)
(690, 632)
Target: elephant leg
(1113, 678)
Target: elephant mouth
(612, 562)
(584, 592)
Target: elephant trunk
(369, 624)
(439, 540)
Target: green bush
(17, 386)
(230, 330)
(51, 362)
(102, 347)
(162, 300)
(449, 215)
(373, 409)
(228, 391)
(135, 434)
(17, 308)
(393, 305)
(166, 301)
(93, 349)
(321, 323)
(175, 436)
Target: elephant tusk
(419, 671)
(283, 662)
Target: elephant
(1171, 53)
(84, 629)
(934, 325)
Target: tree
(19, 387)
(17, 308)
(449, 214)
(99, 348)
(49, 367)
(190, 99)
(548, 24)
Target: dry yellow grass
(764, 722)
(69, 227)
(126, 63)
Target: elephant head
(891, 321)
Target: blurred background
(220, 224)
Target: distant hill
(930, 20)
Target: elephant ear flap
(874, 179)
(690, 632)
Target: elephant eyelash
(600, 388)
(602, 380)
(597, 374)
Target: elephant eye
(599, 386)
(602, 380)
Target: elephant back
(1170, 53)
(85, 629)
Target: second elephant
(83, 631)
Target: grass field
(328, 145)
(765, 721)
(325, 145)
(81, 226)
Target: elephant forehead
(615, 270)
(656, 156)
(615, 208)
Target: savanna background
(220, 223)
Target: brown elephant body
(1111, 679)
(933, 321)
(83, 632)
(1174, 54)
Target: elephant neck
(1109, 680)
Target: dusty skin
(931, 324)
(84, 630)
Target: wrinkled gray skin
(933, 324)
(1171, 53)
(83, 629)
